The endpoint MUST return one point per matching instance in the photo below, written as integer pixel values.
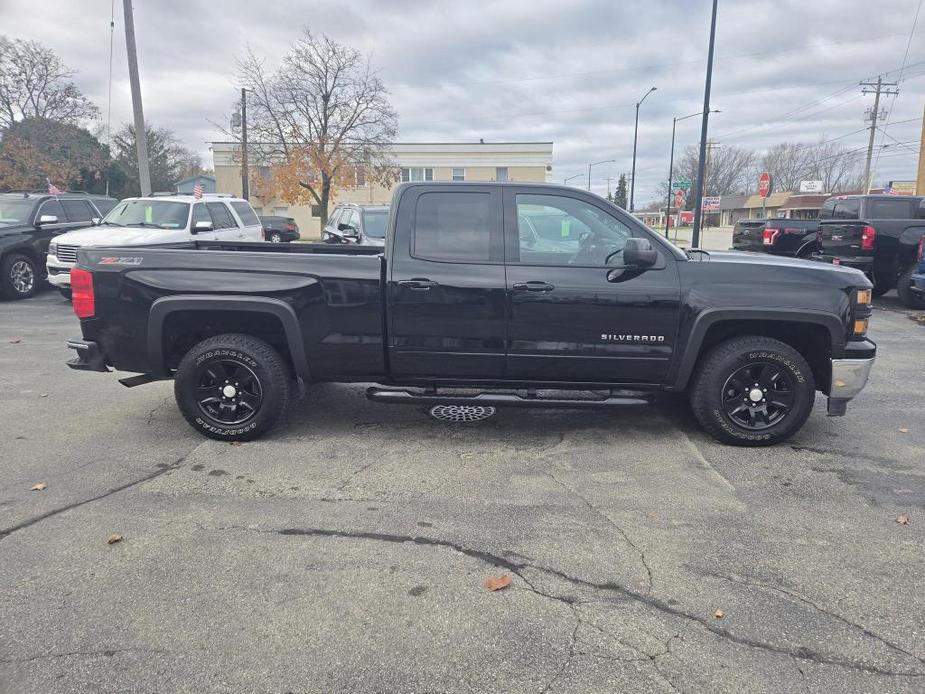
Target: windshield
(376, 223)
(15, 211)
(159, 214)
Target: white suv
(161, 219)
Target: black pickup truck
(877, 234)
(531, 295)
(796, 238)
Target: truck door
(574, 315)
(446, 290)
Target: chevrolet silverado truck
(464, 307)
(877, 234)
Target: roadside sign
(678, 198)
(683, 182)
(710, 204)
(764, 184)
(811, 187)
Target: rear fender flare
(164, 306)
(711, 317)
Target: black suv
(359, 224)
(28, 222)
(279, 229)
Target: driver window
(558, 230)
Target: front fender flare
(166, 305)
(711, 317)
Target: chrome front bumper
(849, 376)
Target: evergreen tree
(619, 197)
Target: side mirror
(46, 219)
(638, 252)
(201, 226)
(95, 221)
(349, 231)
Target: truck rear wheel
(232, 387)
(907, 297)
(752, 391)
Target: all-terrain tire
(232, 387)
(715, 391)
(19, 276)
(907, 297)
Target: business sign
(678, 198)
(900, 188)
(683, 182)
(710, 204)
(811, 187)
(764, 184)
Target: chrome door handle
(417, 285)
(533, 286)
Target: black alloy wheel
(228, 391)
(758, 396)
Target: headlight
(864, 296)
(53, 249)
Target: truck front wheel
(232, 387)
(907, 297)
(752, 391)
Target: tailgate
(842, 239)
(746, 235)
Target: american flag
(197, 191)
(52, 188)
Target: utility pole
(141, 142)
(920, 179)
(875, 88)
(704, 125)
(609, 179)
(245, 187)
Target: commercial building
(419, 161)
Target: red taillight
(922, 249)
(867, 238)
(82, 297)
(290, 227)
(769, 236)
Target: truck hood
(762, 261)
(115, 236)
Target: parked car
(457, 301)
(877, 234)
(796, 238)
(357, 224)
(279, 229)
(918, 277)
(28, 223)
(156, 220)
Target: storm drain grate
(461, 413)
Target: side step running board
(406, 397)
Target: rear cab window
(453, 227)
(888, 209)
(847, 208)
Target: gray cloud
(528, 69)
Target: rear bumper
(862, 263)
(89, 357)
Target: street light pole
(245, 184)
(635, 139)
(701, 163)
(606, 161)
(141, 142)
(566, 180)
(674, 123)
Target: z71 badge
(123, 260)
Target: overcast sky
(557, 70)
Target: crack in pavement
(648, 600)
(806, 601)
(573, 642)
(109, 653)
(6, 532)
(599, 512)
(353, 475)
(150, 417)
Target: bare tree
(728, 171)
(788, 163)
(320, 121)
(34, 83)
(837, 166)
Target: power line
(877, 88)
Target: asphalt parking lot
(347, 551)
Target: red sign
(678, 198)
(764, 184)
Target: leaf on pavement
(113, 539)
(43, 395)
(38, 486)
(235, 443)
(15, 340)
(903, 430)
(903, 519)
(494, 583)
(719, 614)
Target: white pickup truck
(157, 220)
